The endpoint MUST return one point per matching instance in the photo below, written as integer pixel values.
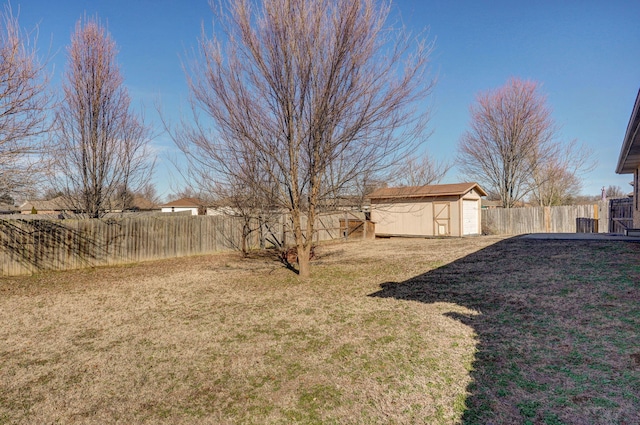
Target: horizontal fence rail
(33, 245)
(561, 219)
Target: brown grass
(393, 331)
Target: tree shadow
(39, 245)
(555, 326)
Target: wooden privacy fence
(620, 215)
(562, 219)
(28, 246)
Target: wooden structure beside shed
(430, 210)
(354, 228)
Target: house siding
(636, 198)
(194, 211)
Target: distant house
(629, 160)
(194, 205)
(63, 205)
(431, 210)
(217, 211)
(489, 205)
(139, 203)
(52, 206)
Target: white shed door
(470, 217)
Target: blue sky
(586, 55)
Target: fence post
(547, 219)
(364, 230)
(284, 234)
(346, 226)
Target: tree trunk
(246, 231)
(304, 264)
(303, 247)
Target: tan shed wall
(456, 217)
(403, 218)
(414, 218)
(472, 195)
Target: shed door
(470, 217)
(441, 218)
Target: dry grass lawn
(478, 330)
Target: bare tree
(24, 103)
(613, 191)
(512, 147)
(149, 192)
(103, 146)
(554, 185)
(256, 212)
(305, 95)
(557, 180)
(188, 192)
(420, 171)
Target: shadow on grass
(558, 329)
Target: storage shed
(430, 210)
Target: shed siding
(415, 218)
(406, 218)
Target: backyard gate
(620, 215)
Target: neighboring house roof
(55, 204)
(184, 203)
(142, 203)
(630, 153)
(433, 190)
(491, 204)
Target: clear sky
(586, 55)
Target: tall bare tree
(306, 95)
(24, 104)
(512, 147)
(103, 145)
